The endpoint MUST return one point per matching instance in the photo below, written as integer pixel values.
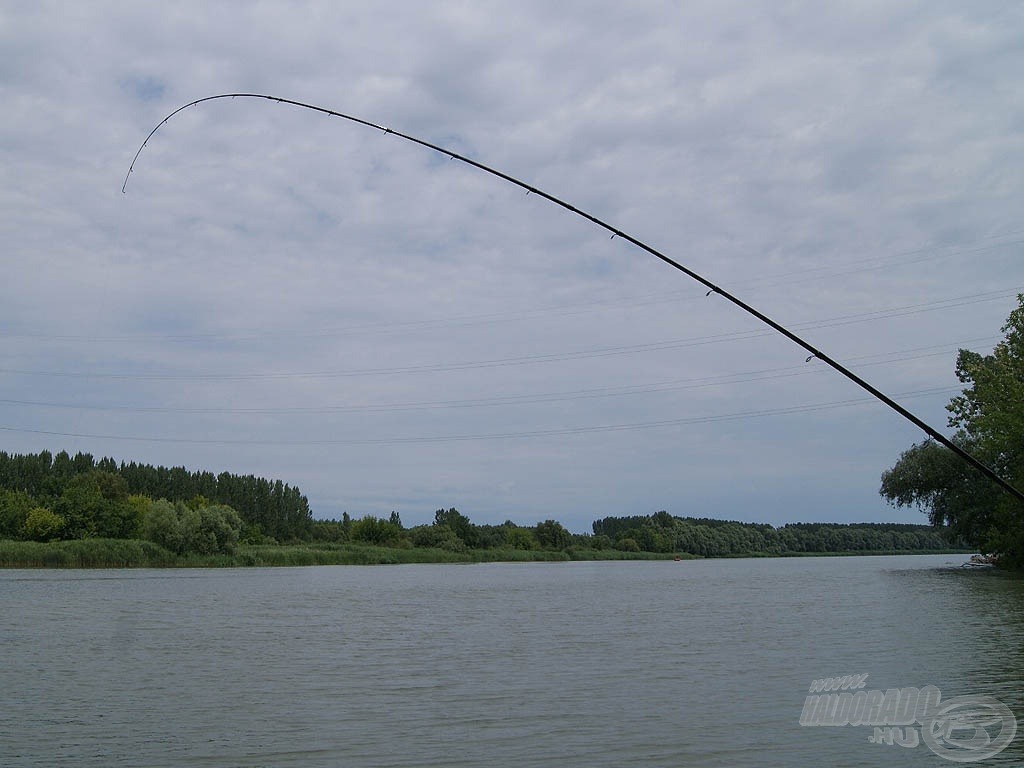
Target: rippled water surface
(698, 663)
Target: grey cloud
(776, 148)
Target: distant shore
(135, 553)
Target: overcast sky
(290, 295)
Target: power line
(539, 433)
(594, 353)
(556, 310)
(524, 399)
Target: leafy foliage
(161, 525)
(519, 538)
(458, 523)
(41, 525)
(96, 504)
(14, 508)
(372, 530)
(182, 529)
(705, 537)
(989, 420)
(93, 493)
(437, 537)
(185, 517)
(552, 535)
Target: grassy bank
(362, 554)
(863, 553)
(132, 553)
(85, 553)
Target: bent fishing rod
(616, 232)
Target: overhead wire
(593, 353)
(673, 385)
(475, 320)
(552, 432)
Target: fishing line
(815, 353)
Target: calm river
(694, 663)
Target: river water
(693, 663)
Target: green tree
(14, 508)
(519, 538)
(662, 519)
(197, 502)
(210, 530)
(325, 530)
(552, 535)
(458, 523)
(371, 530)
(96, 504)
(988, 417)
(183, 530)
(162, 526)
(627, 545)
(436, 537)
(41, 525)
(139, 505)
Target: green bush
(162, 526)
(552, 535)
(42, 525)
(96, 504)
(437, 537)
(519, 538)
(14, 508)
(371, 530)
(212, 530)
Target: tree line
(706, 537)
(89, 497)
(48, 497)
(450, 530)
(657, 533)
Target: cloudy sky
(290, 295)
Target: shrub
(97, 504)
(42, 525)
(161, 525)
(211, 530)
(370, 530)
(551, 534)
(437, 537)
(14, 508)
(519, 538)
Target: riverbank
(134, 553)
